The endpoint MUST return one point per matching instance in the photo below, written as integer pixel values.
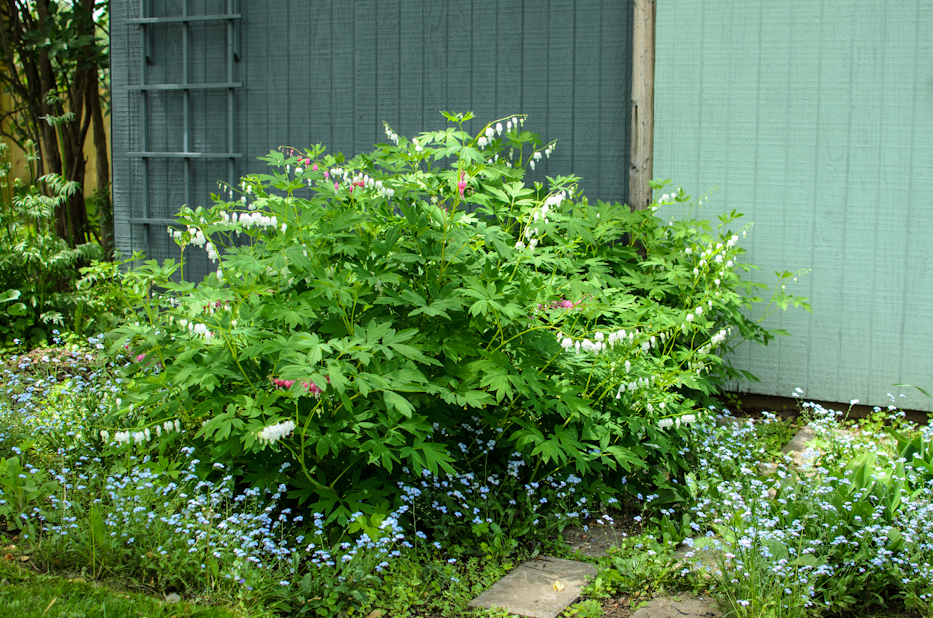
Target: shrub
(41, 288)
(364, 312)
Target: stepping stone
(703, 561)
(539, 588)
(798, 445)
(684, 606)
(593, 542)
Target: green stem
(228, 338)
(499, 347)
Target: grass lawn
(26, 594)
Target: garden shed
(201, 88)
(816, 120)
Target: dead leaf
(51, 603)
(376, 613)
(558, 586)
(24, 558)
(8, 557)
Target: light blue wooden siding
(816, 120)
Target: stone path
(594, 542)
(545, 586)
(539, 588)
(678, 607)
(798, 445)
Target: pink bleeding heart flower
(326, 174)
(140, 358)
(313, 388)
(314, 167)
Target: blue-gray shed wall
(331, 72)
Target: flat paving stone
(595, 541)
(798, 445)
(679, 607)
(539, 588)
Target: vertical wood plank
(501, 34)
(320, 72)
(388, 67)
(612, 90)
(561, 92)
(459, 83)
(343, 118)
(436, 53)
(123, 119)
(412, 58)
(364, 77)
(642, 135)
(535, 81)
(585, 145)
(299, 73)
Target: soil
(619, 607)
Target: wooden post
(642, 150)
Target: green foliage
(923, 392)
(56, 59)
(362, 313)
(585, 609)
(28, 594)
(850, 529)
(20, 492)
(771, 435)
(71, 500)
(917, 453)
(638, 566)
(40, 286)
(494, 503)
(344, 573)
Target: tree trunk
(104, 204)
(32, 74)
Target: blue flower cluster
(850, 523)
